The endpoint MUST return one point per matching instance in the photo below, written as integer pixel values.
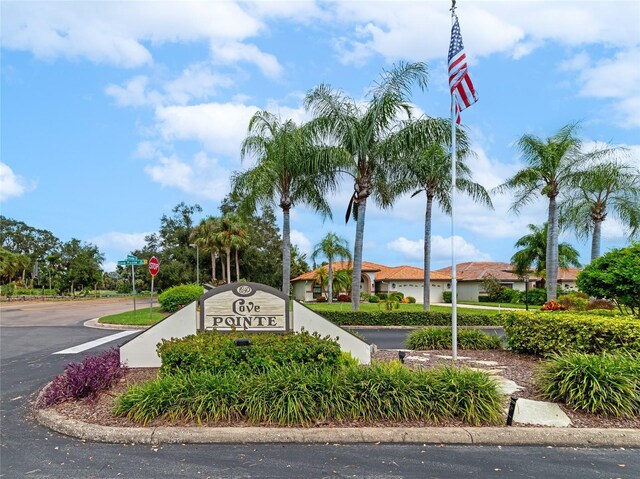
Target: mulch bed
(517, 367)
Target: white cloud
(233, 52)
(195, 82)
(303, 243)
(122, 241)
(119, 33)
(109, 266)
(12, 185)
(134, 93)
(440, 249)
(202, 177)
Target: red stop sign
(154, 266)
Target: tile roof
(383, 273)
(475, 271)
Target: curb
(93, 323)
(527, 436)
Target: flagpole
(454, 285)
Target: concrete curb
(93, 323)
(579, 437)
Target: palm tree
(534, 251)
(425, 165)
(552, 165)
(205, 237)
(610, 187)
(239, 240)
(342, 280)
(361, 130)
(288, 171)
(320, 278)
(331, 247)
(227, 234)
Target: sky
(113, 112)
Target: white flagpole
(454, 286)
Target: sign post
(132, 261)
(154, 267)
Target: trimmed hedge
(217, 352)
(546, 333)
(407, 318)
(174, 298)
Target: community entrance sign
(244, 307)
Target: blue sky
(114, 112)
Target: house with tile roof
(471, 274)
(376, 278)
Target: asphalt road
(29, 336)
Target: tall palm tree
(533, 251)
(288, 171)
(360, 130)
(552, 164)
(205, 237)
(425, 166)
(610, 187)
(239, 240)
(331, 247)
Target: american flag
(462, 91)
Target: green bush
(484, 299)
(301, 396)
(426, 339)
(397, 295)
(574, 301)
(407, 318)
(545, 333)
(411, 299)
(601, 384)
(382, 296)
(374, 299)
(447, 296)
(508, 295)
(216, 352)
(537, 296)
(176, 297)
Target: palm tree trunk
(595, 241)
(552, 250)
(237, 267)
(228, 258)
(286, 251)
(357, 256)
(213, 267)
(330, 281)
(426, 293)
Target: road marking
(97, 342)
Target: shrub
(574, 301)
(374, 299)
(508, 295)
(411, 299)
(447, 296)
(299, 395)
(440, 338)
(600, 304)
(216, 352)
(408, 318)
(537, 296)
(397, 295)
(321, 299)
(547, 333)
(382, 296)
(176, 297)
(552, 305)
(344, 298)
(85, 379)
(600, 384)
(481, 299)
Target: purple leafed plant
(85, 379)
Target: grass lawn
(140, 318)
(502, 305)
(319, 307)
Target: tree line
(388, 152)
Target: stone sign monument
(248, 307)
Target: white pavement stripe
(97, 342)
